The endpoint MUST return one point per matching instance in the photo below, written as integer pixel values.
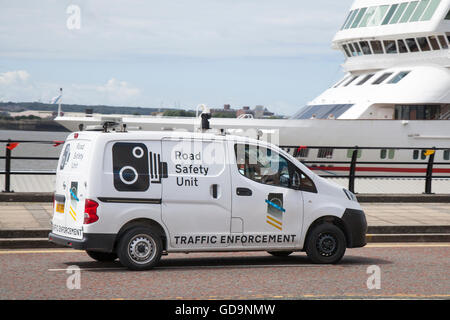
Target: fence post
(429, 176)
(351, 180)
(8, 168)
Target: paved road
(407, 271)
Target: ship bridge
(379, 34)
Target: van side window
(262, 165)
(266, 166)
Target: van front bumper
(356, 227)
(103, 242)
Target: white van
(138, 195)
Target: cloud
(118, 88)
(14, 77)
(196, 28)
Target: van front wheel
(326, 244)
(102, 256)
(140, 248)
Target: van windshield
(74, 156)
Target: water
(32, 149)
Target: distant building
(258, 112)
(226, 111)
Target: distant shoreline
(32, 125)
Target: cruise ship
(395, 94)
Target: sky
(172, 53)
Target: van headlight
(350, 195)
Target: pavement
(26, 224)
(377, 271)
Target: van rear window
(74, 156)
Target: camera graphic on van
(130, 166)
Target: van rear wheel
(102, 256)
(140, 248)
(326, 244)
(280, 253)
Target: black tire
(280, 253)
(102, 256)
(326, 244)
(140, 248)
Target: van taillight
(90, 211)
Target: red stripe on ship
(381, 169)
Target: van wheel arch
(338, 222)
(140, 222)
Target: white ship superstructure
(395, 93)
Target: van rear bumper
(356, 226)
(103, 242)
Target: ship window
(434, 42)
(430, 10)
(377, 48)
(350, 153)
(358, 50)
(417, 112)
(402, 46)
(347, 52)
(423, 154)
(367, 17)
(412, 45)
(340, 82)
(398, 13)
(325, 153)
(398, 77)
(416, 154)
(301, 152)
(358, 17)
(346, 20)
(322, 111)
(447, 154)
(364, 80)
(382, 78)
(423, 43)
(365, 47)
(351, 19)
(378, 16)
(409, 11)
(352, 49)
(351, 80)
(391, 154)
(419, 11)
(443, 42)
(447, 17)
(390, 14)
(389, 46)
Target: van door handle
(214, 191)
(243, 192)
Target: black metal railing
(351, 175)
(8, 158)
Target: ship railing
(351, 175)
